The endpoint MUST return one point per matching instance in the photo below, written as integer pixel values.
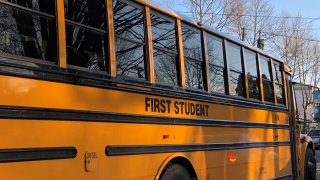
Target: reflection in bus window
(85, 34)
(87, 12)
(193, 57)
(252, 74)
(277, 76)
(85, 48)
(27, 34)
(266, 79)
(236, 72)
(216, 64)
(236, 84)
(45, 6)
(165, 49)
(130, 39)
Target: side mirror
(316, 107)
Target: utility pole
(260, 41)
(243, 36)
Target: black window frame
(257, 77)
(213, 66)
(262, 58)
(201, 61)
(276, 83)
(231, 70)
(146, 79)
(176, 53)
(102, 32)
(39, 13)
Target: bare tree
(254, 19)
(215, 13)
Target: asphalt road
(318, 164)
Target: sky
(306, 8)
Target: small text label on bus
(178, 107)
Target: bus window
(277, 76)
(130, 39)
(236, 72)
(252, 73)
(86, 34)
(216, 64)
(165, 54)
(192, 49)
(266, 79)
(23, 32)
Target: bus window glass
(165, 65)
(217, 75)
(251, 63)
(277, 72)
(191, 42)
(215, 50)
(266, 79)
(193, 56)
(165, 49)
(87, 12)
(85, 34)
(216, 64)
(236, 84)
(130, 40)
(85, 48)
(277, 75)
(45, 6)
(236, 73)
(24, 33)
(128, 21)
(280, 94)
(163, 32)
(265, 68)
(234, 57)
(252, 74)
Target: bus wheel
(175, 172)
(310, 166)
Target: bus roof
(210, 29)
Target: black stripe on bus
(33, 154)
(154, 149)
(287, 177)
(79, 77)
(78, 115)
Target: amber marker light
(232, 157)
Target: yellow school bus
(125, 89)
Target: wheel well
(186, 164)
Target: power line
(250, 15)
(294, 37)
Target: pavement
(318, 164)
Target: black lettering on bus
(176, 103)
(207, 110)
(181, 105)
(156, 105)
(192, 109)
(168, 105)
(187, 108)
(162, 105)
(198, 112)
(152, 109)
(147, 101)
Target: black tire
(175, 172)
(310, 165)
